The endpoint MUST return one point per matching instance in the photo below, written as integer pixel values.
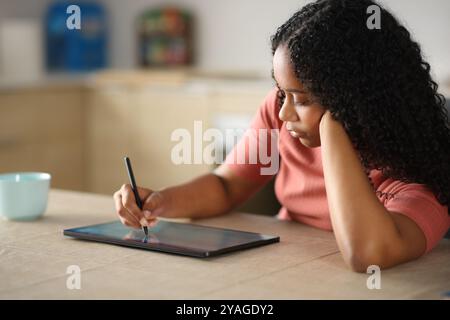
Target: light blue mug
(24, 195)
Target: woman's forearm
(202, 197)
(362, 226)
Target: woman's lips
(294, 133)
(297, 134)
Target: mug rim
(35, 176)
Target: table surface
(306, 264)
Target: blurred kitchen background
(74, 102)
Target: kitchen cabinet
(137, 118)
(81, 133)
(108, 137)
(161, 112)
(138, 121)
(42, 130)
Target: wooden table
(306, 264)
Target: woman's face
(299, 111)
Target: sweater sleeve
(256, 155)
(419, 204)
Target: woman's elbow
(359, 259)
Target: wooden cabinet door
(42, 130)
(109, 136)
(161, 112)
(139, 120)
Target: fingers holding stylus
(152, 205)
(124, 215)
(127, 208)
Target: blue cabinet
(76, 50)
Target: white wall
(234, 34)
(429, 23)
(231, 34)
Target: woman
(364, 141)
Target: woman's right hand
(128, 211)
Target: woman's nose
(287, 112)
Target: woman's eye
(301, 103)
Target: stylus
(134, 187)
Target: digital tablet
(173, 237)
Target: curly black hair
(376, 83)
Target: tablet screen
(174, 237)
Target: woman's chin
(308, 143)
